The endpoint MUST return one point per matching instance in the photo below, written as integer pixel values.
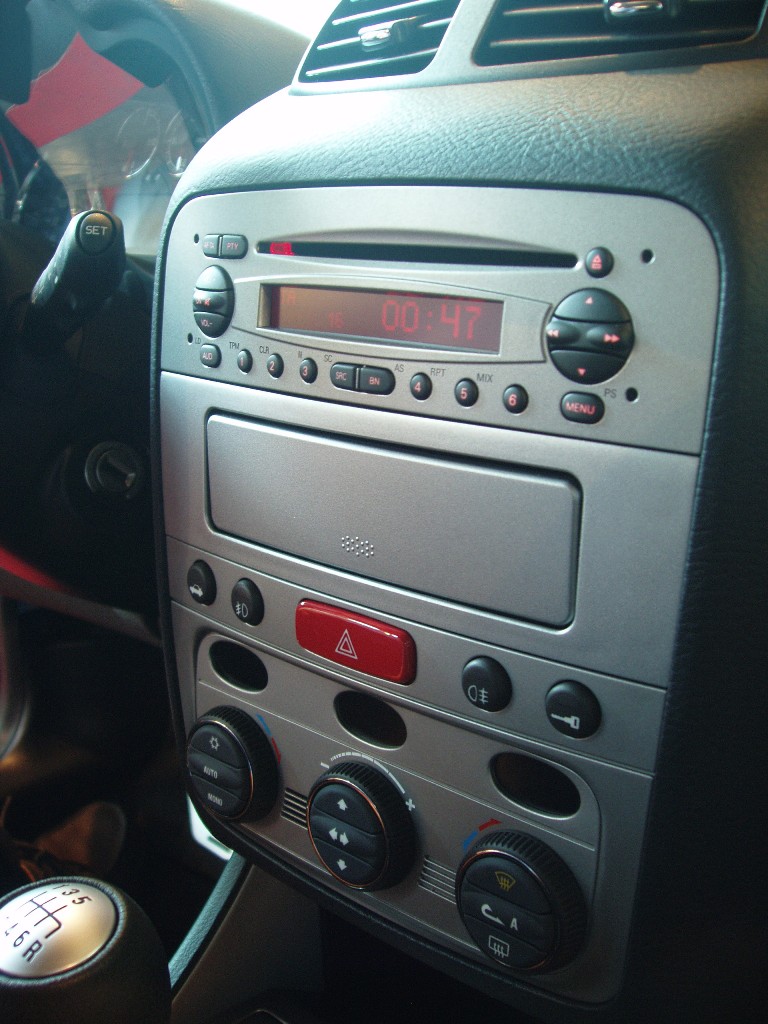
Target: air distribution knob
(233, 764)
(360, 826)
(77, 949)
(521, 903)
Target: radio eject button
(356, 641)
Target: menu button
(582, 408)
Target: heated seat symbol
(345, 646)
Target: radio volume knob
(213, 301)
(360, 826)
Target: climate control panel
(369, 826)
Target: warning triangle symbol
(345, 646)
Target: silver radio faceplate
(639, 338)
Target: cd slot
(404, 253)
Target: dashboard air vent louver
(520, 31)
(438, 879)
(376, 39)
(295, 808)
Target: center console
(427, 487)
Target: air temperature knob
(520, 903)
(360, 826)
(233, 764)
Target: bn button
(356, 641)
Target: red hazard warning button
(356, 641)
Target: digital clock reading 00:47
(439, 321)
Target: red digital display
(439, 321)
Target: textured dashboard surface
(698, 136)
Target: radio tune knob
(360, 827)
(232, 764)
(521, 903)
(590, 335)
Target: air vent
(520, 31)
(373, 39)
(438, 879)
(295, 808)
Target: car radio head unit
(548, 313)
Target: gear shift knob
(79, 949)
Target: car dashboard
(458, 496)
(438, 361)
